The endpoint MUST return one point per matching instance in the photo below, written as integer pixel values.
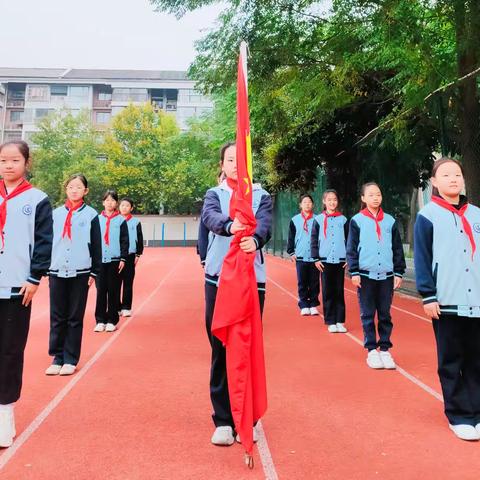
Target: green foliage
(142, 154)
(320, 81)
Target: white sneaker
(255, 436)
(332, 328)
(14, 430)
(387, 360)
(305, 311)
(53, 370)
(314, 311)
(477, 427)
(465, 432)
(6, 431)
(126, 313)
(223, 436)
(68, 369)
(374, 360)
(110, 327)
(341, 328)
(99, 327)
(120, 313)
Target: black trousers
(376, 296)
(458, 352)
(126, 280)
(308, 278)
(14, 325)
(333, 294)
(222, 415)
(108, 294)
(68, 300)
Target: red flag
(237, 320)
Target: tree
(364, 63)
(65, 145)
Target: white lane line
(30, 430)
(265, 455)
(424, 319)
(400, 370)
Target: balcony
(9, 125)
(15, 102)
(97, 103)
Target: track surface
(138, 408)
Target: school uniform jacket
(329, 248)
(299, 241)
(444, 269)
(215, 216)
(28, 235)
(119, 240)
(82, 254)
(371, 257)
(135, 236)
(202, 242)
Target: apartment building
(29, 94)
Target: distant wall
(169, 230)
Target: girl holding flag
(115, 243)
(377, 263)
(25, 253)
(135, 249)
(328, 251)
(299, 248)
(447, 270)
(76, 261)
(217, 217)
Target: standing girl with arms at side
(25, 255)
(377, 263)
(299, 249)
(76, 261)
(447, 270)
(115, 243)
(216, 217)
(329, 235)
(135, 249)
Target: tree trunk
(467, 22)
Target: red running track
(138, 408)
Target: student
(329, 235)
(215, 216)
(115, 244)
(447, 270)
(76, 261)
(135, 249)
(299, 248)
(377, 263)
(25, 254)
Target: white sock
(6, 407)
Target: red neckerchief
(377, 219)
(67, 226)
(233, 184)
(325, 221)
(306, 218)
(461, 213)
(106, 237)
(128, 217)
(22, 187)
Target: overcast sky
(98, 34)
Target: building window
(11, 136)
(79, 92)
(41, 113)
(59, 90)
(16, 94)
(104, 96)
(130, 95)
(16, 116)
(102, 117)
(38, 93)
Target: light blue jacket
(444, 269)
